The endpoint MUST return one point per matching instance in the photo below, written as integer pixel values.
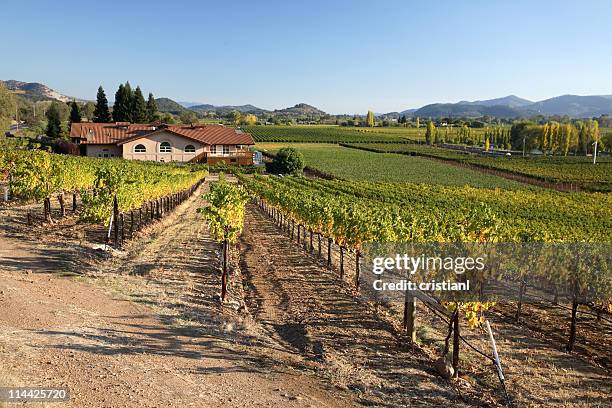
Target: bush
(287, 161)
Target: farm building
(164, 143)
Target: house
(164, 143)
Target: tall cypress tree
(151, 109)
(139, 107)
(75, 115)
(101, 113)
(129, 102)
(119, 108)
(54, 121)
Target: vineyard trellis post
(410, 316)
(116, 219)
(573, 323)
(357, 267)
(224, 273)
(74, 202)
(456, 339)
(329, 245)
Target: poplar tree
(139, 107)
(101, 113)
(430, 132)
(151, 109)
(75, 115)
(370, 119)
(582, 139)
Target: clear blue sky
(341, 56)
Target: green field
(576, 170)
(356, 164)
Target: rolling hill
(167, 105)
(35, 91)
(301, 109)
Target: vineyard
(107, 188)
(353, 214)
(342, 134)
(353, 164)
(557, 169)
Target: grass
(356, 164)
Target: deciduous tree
(370, 119)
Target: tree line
(550, 138)
(130, 106)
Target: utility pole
(595, 153)
(524, 145)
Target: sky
(340, 56)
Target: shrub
(287, 161)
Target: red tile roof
(122, 132)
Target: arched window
(189, 149)
(140, 148)
(165, 147)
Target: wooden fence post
(74, 202)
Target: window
(140, 148)
(226, 149)
(165, 147)
(105, 152)
(189, 149)
(213, 149)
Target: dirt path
(154, 336)
(304, 308)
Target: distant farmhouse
(164, 143)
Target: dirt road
(152, 336)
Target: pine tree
(101, 113)
(75, 115)
(370, 119)
(139, 107)
(54, 121)
(151, 109)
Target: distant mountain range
(301, 109)
(512, 106)
(506, 107)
